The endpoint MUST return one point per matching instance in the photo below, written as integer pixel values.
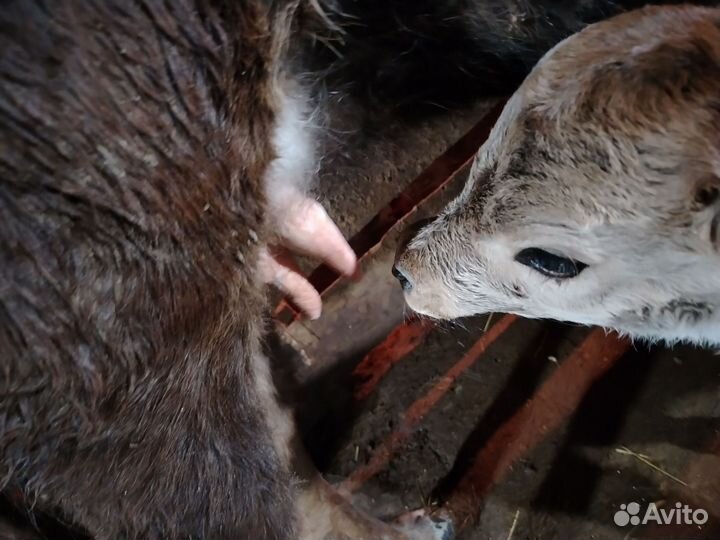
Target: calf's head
(596, 198)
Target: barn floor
(523, 429)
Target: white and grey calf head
(596, 198)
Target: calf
(596, 198)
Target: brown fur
(133, 143)
(135, 402)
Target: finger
(309, 230)
(300, 291)
(293, 284)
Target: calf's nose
(401, 273)
(402, 277)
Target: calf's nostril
(402, 277)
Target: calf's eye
(550, 264)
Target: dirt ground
(541, 432)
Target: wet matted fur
(134, 140)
